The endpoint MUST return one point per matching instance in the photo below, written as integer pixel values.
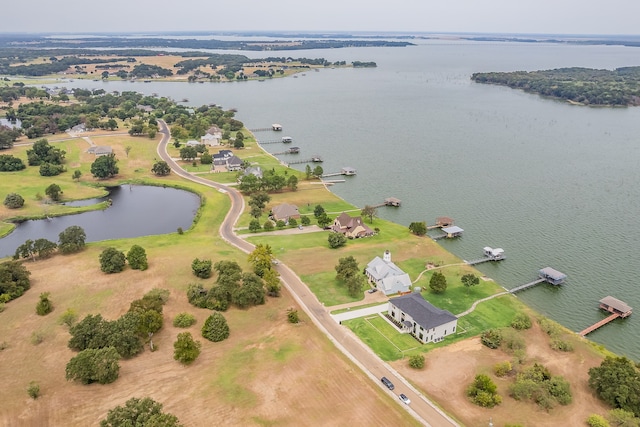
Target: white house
(212, 137)
(414, 315)
(388, 277)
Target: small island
(584, 86)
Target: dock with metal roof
(617, 308)
(546, 274)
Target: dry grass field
(449, 371)
(269, 372)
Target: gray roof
(234, 161)
(453, 229)
(380, 269)
(421, 311)
(615, 303)
(285, 211)
(553, 274)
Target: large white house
(387, 276)
(415, 315)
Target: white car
(404, 398)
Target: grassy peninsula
(586, 86)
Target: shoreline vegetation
(308, 255)
(578, 86)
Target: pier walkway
(526, 286)
(595, 326)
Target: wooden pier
(271, 141)
(617, 308)
(314, 159)
(389, 201)
(547, 274)
(274, 127)
(347, 171)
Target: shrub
(596, 420)
(140, 412)
(4, 345)
(69, 317)
(254, 226)
(37, 337)
(186, 349)
(184, 320)
(305, 220)
(512, 341)
(561, 345)
(268, 225)
(519, 357)
(215, 328)
(336, 240)
(13, 201)
(416, 361)
(502, 369)
(550, 327)
(44, 306)
(201, 268)
(112, 261)
(33, 390)
(180, 230)
(483, 392)
(292, 316)
(491, 338)
(622, 418)
(521, 321)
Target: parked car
(404, 398)
(372, 290)
(387, 383)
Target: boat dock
(389, 201)
(292, 150)
(449, 232)
(547, 274)
(617, 308)
(346, 171)
(441, 221)
(314, 159)
(275, 127)
(490, 254)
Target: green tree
(292, 316)
(418, 228)
(161, 168)
(324, 221)
(272, 282)
(112, 261)
(201, 268)
(347, 267)
(69, 317)
(94, 365)
(13, 201)
(308, 173)
(76, 175)
(44, 248)
(137, 258)
(369, 212)
(318, 171)
(188, 153)
(521, 321)
(596, 420)
(185, 348)
(416, 361)
(318, 211)
(268, 225)
(137, 412)
(292, 183)
(617, 382)
(215, 328)
(469, 280)
(14, 280)
(206, 159)
(354, 285)
(71, 239)
(49, 169)
(483, 392)
(250, 293)
(53, 191)
(44, 306)
(304, 220)
(105, 167)
(438, 283)
(261, 259)
(336, 240)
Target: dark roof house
(424, 321)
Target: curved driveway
(421, 408)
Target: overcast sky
(486, 16)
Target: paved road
(361, 355)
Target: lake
(135, 211)
(553, 184)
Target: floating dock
(547, 274)
(617, 308)
(490, 254)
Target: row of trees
(70, 240)
(114, 261)
(271, 181)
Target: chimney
(387, 256)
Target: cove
(136, 210)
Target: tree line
(619, 87)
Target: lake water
(553, 184)
(135, 211)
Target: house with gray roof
(416, 316)
(234, 163)
(386, 276)
(100, 150)
(212, 137)
(285, 212)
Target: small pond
(136, 210)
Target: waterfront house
(234, 163)
(416, 316)
(213, 137)
(253, 170)
(284, 212)
(386, 276)
(351, 227)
